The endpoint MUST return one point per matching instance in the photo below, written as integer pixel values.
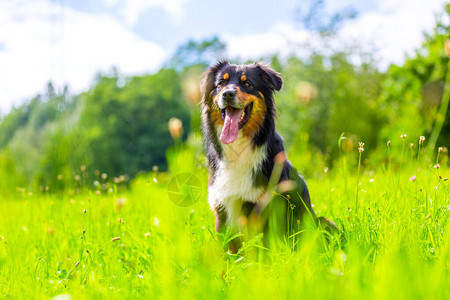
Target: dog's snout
(229, 95)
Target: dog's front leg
(221, 218)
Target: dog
(250, 177)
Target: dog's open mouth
(233, 120)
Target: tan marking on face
(216, 118)
(257, 114)
(243, 78)
(226, 76)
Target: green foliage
(412, 93)
(70, 224)
(113, 129)
(127, 127)
(10, 178)
(135, 243)
(120, 126)
(60, 162)
(17, 118)
(325, 97)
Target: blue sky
(70, 41)
(203, 18)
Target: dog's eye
(246, 83)
(221, 83)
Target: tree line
(120, 125)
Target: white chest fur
(234, 182)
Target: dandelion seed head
(50, 231)
(61, 296)
(175, 128)
(120, 202)
(361, 147)
(156, 221)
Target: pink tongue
(231, 125)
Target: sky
(71, 41)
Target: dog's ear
(209, 76)
(271, 77)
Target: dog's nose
(229, 95)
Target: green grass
(395, 246)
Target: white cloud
(283, 38)
(131, 10)
(42, 41)
(394, 29)
(110, 3)
(255, 45)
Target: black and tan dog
(245, 152)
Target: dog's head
(239, 98)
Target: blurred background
(106, 89)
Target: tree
(311, 15)
(126, 127)
(412, 93)
(193, 53)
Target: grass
(135, 243)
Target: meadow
(72, 227)
(113, 239)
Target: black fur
(266, 81)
